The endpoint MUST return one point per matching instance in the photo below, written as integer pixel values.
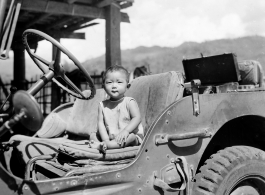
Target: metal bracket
(9, 28)
(174, 173)
(195, 96)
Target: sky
(169, 23)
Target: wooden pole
(56, 93)
(19, 67)
(113, 20)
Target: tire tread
(214, 170)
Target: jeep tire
(235, 170)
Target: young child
(119, 119)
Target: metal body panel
(138, 177)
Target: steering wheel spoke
(39, 65)
(72, 85)
(40, 59)
(55, 66)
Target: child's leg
(131, 141)
(112, 144)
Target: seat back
(251, 73)
(154, 93)
(82, 120)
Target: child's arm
(101, 126)
(93, 136)
(135, 121)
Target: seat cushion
(83, 117)
(154, 93)
(82, 151)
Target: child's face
(115, 84)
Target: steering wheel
(56, 67)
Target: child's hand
(122, 137)
(111, 136)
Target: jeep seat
(153, 94)
(251, 73)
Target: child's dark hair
(114, 69)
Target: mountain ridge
(162, 59)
